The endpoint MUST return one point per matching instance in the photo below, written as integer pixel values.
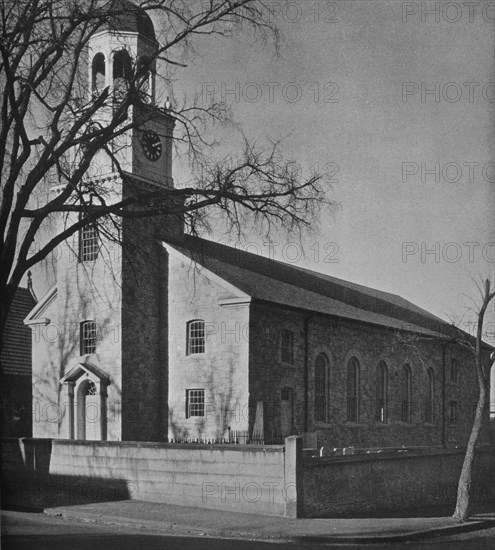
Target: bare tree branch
(55, 130)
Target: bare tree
(48, 133)
(461, 512)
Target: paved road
(37, 532)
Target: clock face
(152, 145)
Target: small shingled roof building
(16, 371)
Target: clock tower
(125, 48)
(110, 364)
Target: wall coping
(315, 462)
(152, 444)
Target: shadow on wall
(28, 485)
(50, 402)
(35, 492)
(221, 415)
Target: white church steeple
(122, 53)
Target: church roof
(124, 15)
(276, 282)
(16, 353)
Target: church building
(175, 338)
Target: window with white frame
(196, 338)
(287, 347)
(88, 243)
(88, 337)
(195, 403)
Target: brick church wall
(340, 340)
(268, 375)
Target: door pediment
(85, 369)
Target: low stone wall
(356, 485)
(253, 479)
(270, 480)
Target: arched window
(122, 66)
(122, 73)
(196, 338)
(287, 347)
(454, 370)
(91, 388)
(145, 75)
(321, 388)
(406, 393)
(430, 396)
(353, 390)
(88, 334)
(381, 392)
(453, 413)
(98, 72)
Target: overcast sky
(350, 88)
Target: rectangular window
(88, 243)
(195, 337)
(88, 337)
(288, 347)
(195, 403)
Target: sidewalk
(181, 520)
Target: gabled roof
(35, 316)
(16, 352)
(84, 367)
(283, 284)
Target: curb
(103, 519)
(179, 529)
(404, 537)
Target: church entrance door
(88, 411)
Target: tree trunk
(461, 512)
